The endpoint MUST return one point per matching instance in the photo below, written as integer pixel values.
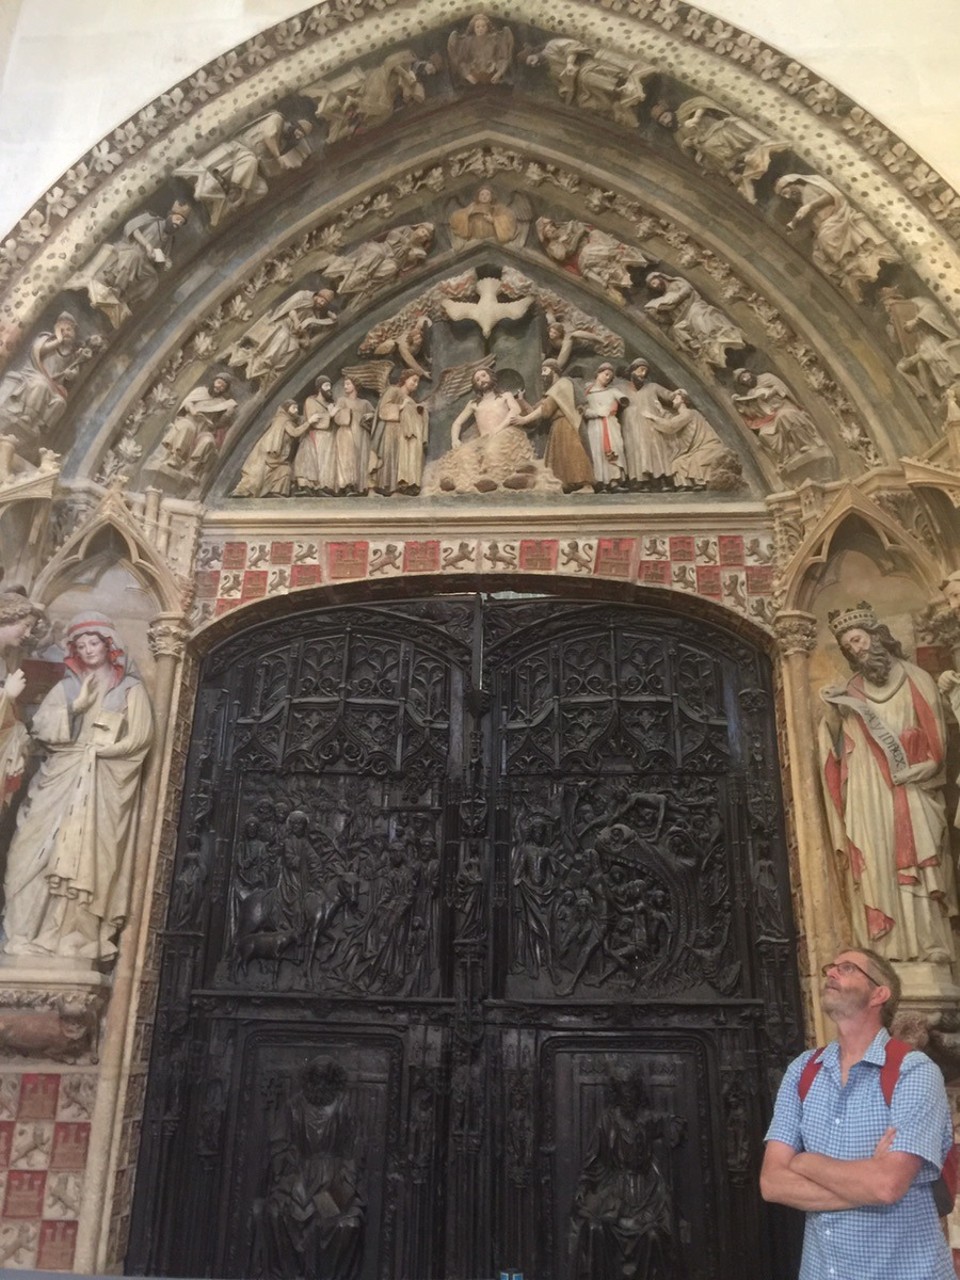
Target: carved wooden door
(478, 952)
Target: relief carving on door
(462, 961)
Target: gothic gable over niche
(417, 192)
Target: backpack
(945, 1187)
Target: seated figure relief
(360, 99)
(607, 81)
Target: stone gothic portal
(479, 952)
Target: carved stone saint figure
(721, 142)
(482, 53)
(602, 80)
(767, 406)
(33, 399)
(359, 99)
(622, 1219)
(882, 745)
(234, 173)
(601, 429)
(500, 457)
(599, 257)
(700, 458)
(310, 1219)
(315, 467)
(565, 455)
(648, 455)
(268, 470)
(846, 246)
(276, 339)
(931, 345)
(352, 421)
(70, 862)
(18, 617)
(694, 324)
(121, 275)
(190, 445)
(399, 439)
(374, 263)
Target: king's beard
(875, 665)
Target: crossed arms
(805, 1180)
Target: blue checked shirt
(903, 1241)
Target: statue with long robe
(70, 863)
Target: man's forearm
(862, 1182)
(784, 1186)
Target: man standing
(565, 455)
(862, 1171)
(399, 438)
(315, 468)
(882, 747)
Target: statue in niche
(268, 470)
(33, 399)
(122, 275)
(482, 53)
(189, 448)
(365, 269)
(698, 457)
(647, 452)
(19, 617)
(488, 309)
(399, 439)
(882, 746)
(721, 142)
(602, 80)
(501, 457)
(310, 1219)
(622, 1222)
(468, 894)
(694, 324)
(930, 344)
(70, 862)
(533, 875)
(486, 217)
(249, 870)
(275, 340)
(846, 247)
(235, 172)
(601, 429)
(597, 256)
(565, 455)
(404, 336)
(361, 99)
(316, 465)
(767, 406)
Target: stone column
(167, 637)
(822, 918)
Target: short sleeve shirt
(903, 1241)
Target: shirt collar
(876, 1050)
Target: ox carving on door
(478, 953)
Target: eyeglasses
(846, 969)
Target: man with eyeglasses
(863, 1171)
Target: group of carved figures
(369, 915)
(121, 275)
(310, 1214)
(70, 860)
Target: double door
(478, 955)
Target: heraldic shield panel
(479, 954)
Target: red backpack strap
(896, 1051)
(809, 1072)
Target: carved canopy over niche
(713, 207)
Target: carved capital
(167, 637)
(55, 1022)
(796, 632)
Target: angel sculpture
(403, 336)
(482, 53)
(486, 217)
